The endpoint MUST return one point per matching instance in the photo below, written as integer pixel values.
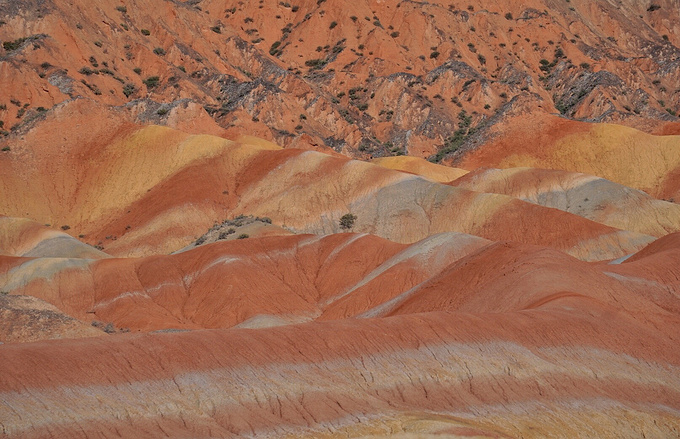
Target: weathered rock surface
(388, 78)
(27, 318)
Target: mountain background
(426, 79)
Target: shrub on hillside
(347, 221)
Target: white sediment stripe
(442, 244)
(203, 393)
(41, 268)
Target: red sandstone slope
(617, 153)
(383, 79)
(507, 356)
(544, 371)
(22, 237)
(279, 280)
(255, 282)
(450, 335)
(592, 197)
(139, 191)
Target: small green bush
(151, 81)
(315, 63)
(224, 234)
(87, 71)
(347, 221)
(129, 89)
(13, 45)
(274, 49)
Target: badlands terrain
(334, 218)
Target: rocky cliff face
(387, 78)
